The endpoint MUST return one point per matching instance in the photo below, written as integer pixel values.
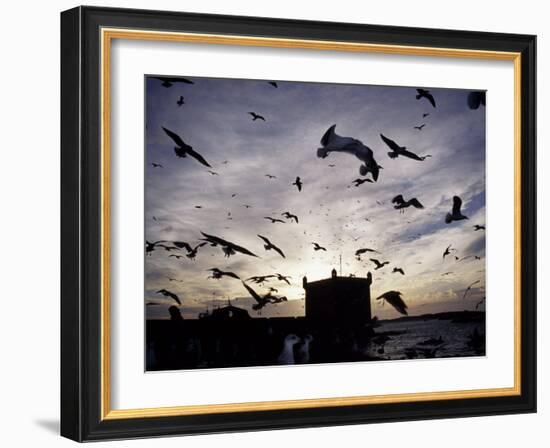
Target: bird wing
(275, 248)
(265, 240)
(430, 98)
(375, 261)
(197, 156)
(177, 139)
(398, 199)
(327, 136)
(395, 300)
(240, 249)
(253, 293)
(416, 203)
(394, 146)
(182, 245)
(457, 204)
(231, 274)
(215, 239)
(410, 155)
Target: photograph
(290, 222)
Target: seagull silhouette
(447, 251)
(468, 289)
(193, 252)
(423, 93)
(420, 127)
(400, 270)
(273, 220)
(358, 182)
(169, 82)
(476, 99)
(456, 213)
(400, 203)
(228, 247)
(183, 150)
(359, 252)
(269, 245)
(167, 293)
(298, 183)
(478, 227)
(397, 150)
(289, 215)
(180, 101)
(378, 264)
(395, 300)
(256, 116)
(332, 142)
(424, 115)
(316, 247)
(156, 165)
(217, 274)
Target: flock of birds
(330, 143)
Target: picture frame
(87, 34)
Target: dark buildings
(338, 301)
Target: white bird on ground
(302, 352)
(333, 142)
(287, 354)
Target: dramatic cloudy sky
(332, 212)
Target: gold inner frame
(107, 35)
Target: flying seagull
(262, 301)
(468, 289)
(359, 252)
(228, 247)
(289, 215)
(150, 247)
(395, 300)
(316, 247)
(156, 165)
(425, 114)
(298, 183)
(260, 279)
(332, 142)
(397, 150)
(456, 214)
(476, 99)
(193, 252)
(447, 251)
(283, 278)
(378, 264)
(183, 149)
(358, 182)
(420, 127)
(270, 176)
(168, 82)
(273, 220)
(182, 245)
(217, 274)
(269, 245)
(478, 227)
(256, 116)
(167, 293)
(423, 93)
(273, 83)
(400, 270)
(180, 101)
(400, 203)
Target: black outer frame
(80, 223)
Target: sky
(332, 212)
